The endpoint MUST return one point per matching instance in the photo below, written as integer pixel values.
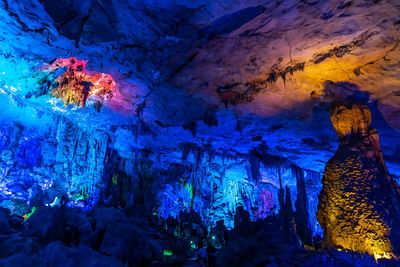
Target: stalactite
(281, 194)
(74, 86)
(301, 215)
(273, 161)
(188, 148)
(288, 202)
(191, 127)
(254, 166)
(198, 157)
(210, 118)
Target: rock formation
(201, 105)
(75, 85)
(359, 203)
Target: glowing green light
(114, 180)
(27, 216)
(80, 196)
(167, 253)
(154, 213)
(189, 188)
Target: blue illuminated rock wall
(65, 160)
(215, 185)
(169, 156)
(70, 160)
(54, 151)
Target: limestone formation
(358, 205)
(74, 86)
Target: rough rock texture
(359, 202)
(64, 161)
(277, 65)
(351, 119)
(217, 104)
(57, 254)
(265, 243)
(177, 62)
(80, 162)
(103, 237)
(215, 185)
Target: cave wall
(201, 87)
(66, 160)
(91, 167)
(224, 182)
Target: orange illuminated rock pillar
(359, 202)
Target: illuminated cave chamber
(215, 185)
(91, 169)
(359, 202)
(133, 132)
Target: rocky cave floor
(60, 236)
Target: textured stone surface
(358, 205)
(215, 101)
(350, 119)
(274, 60)
(65, 160)
(106, 238)
(58, 254)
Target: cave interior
(200, 133)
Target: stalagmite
(359, 203)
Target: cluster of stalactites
(74, 86)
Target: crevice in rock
(342, 50)
(237, 93)
(179, 68)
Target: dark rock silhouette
(301, 214)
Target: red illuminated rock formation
(74, 86)
(359, 203)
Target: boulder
(46, 224)
(127, 242)
(102, 217)
(15, 243)
(57, 254)
(4, 224)
(78, 219)
(19, 259)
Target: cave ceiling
(229, 75)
